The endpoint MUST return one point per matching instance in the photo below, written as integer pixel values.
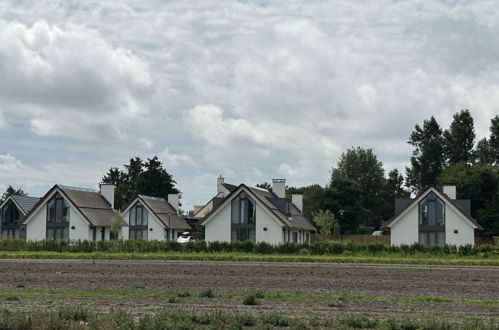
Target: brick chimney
(279, 187)
(107, 191)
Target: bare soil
(458, 283)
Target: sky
(251, 90)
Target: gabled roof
(229, 187)
(89, 203)
(163, 210)
(443, 196)
(269, 201)
(23, 203)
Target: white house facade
(71, 213)
(153, 218)
(434, 218)
(258, 215)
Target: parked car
(185, 237)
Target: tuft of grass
(183, 294)
(358, 321)
(250, 300)
(11, 298)
(206, 293)
(74, 313)
(276, 319)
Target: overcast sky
(252, 90)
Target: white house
(434, 218)
(12, 212)
(71, 213)
(256, 214)
(153, 218)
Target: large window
(10, 221)
(58, 218)
(138, 222)
(432, 220)
(243, 218)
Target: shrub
(264, 248)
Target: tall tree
(363, 167)
(154, 180)
(484, 153)
(459, 139)
(139, 177)
(494, 138)
(427, 159)
(344, 198)
(10, 191)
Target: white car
(185, 237)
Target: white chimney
(220, 182)
(450, 191)
(173, 199)
(279, 187)
(298, 201)
(107, 191)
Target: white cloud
(174, 160)
(145, 143)
(69, 81)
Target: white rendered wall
(219, 227)
(273, 235)
(453, 221)
(81, 230)
(158, 230)
(406, 230)
(36, 229)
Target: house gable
(448, 202)
(231, 196)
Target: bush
(264, 248)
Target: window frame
(143, 228)
(243, 224)
(431, 220)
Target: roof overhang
(15, 203)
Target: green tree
(344, 198)
(427, 159)
(494, 138)
(313, 198)
(394, 188)
(139, 177)
(11, 191)
(326, 222)
(459, 139)
(363, 167)
(117, 223)
(155, 180)
(484, 153)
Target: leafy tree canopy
(10, 191)
(140, 177)
(459, 139)
(427, 160)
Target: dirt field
(384, 290)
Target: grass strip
(242, 257)
(10, 294)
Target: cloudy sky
(252, 90)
